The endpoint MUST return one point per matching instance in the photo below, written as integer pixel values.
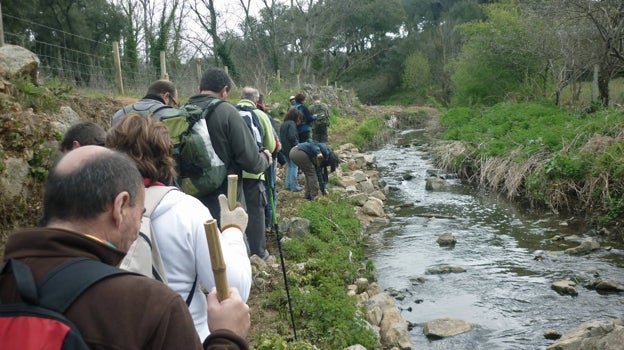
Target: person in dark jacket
(161, 96)
(231, 138)
(289, 138)
(85, 219)
(308, 119)
(309, 156)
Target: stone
(17, 62)
(443, 269)
(13, 177)
(597, 334)
(586, 246)
(373, 207)
(445, 327)
(446, 239)
(436, 184)
(564, 287)
(362, 285)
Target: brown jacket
(123, 312)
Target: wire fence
(95, 70)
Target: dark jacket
(308, 118)
(231, 138)
(289, 136)
(235, 146)
(121, 312)
(312, 148)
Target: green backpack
(200, 169)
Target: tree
(417, 74)
(607, 19)
(498, 60)
(220, 48)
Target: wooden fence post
(199, 70)
(1, 28)
(163, 66)
(118, 76)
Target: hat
(291, 98)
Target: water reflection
(508, 253)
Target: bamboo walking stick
(214, 243)
(216, 259)
(231, 190)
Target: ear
(223, 92)
(75, 144)
(121, 203)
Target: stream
(505, 292)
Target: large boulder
(597, 335)
(17, 62)
(445, 327)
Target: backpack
(143, 256)
(322, 117)
(200, 169)
(250, 117)
(38, 321)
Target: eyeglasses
(171, 99)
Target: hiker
(254, 185)
(82, 134)
(289, 137)
(291, 99)
(230, 137)
(321, 122)
(309, 157)
(178, 220)
(271, 173)
(306, 123)
(99, 222)
(161, 95)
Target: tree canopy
(442, 51)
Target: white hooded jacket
(178, 224)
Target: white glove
(232, 218)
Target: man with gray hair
(254, 186)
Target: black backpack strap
(212, 105)
(189, 298)
(66, 282)
(24, 280)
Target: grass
(554, 157)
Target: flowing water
(506, 291)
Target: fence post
(118, 76)
(595, 83)
(199, 70)
(279, 78)
(298, 82)
(163, 66)
(1, 28)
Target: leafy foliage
(333, 251)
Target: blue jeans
(291, 175)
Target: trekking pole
(216, 259)
(279, 248)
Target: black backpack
(38, 321)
